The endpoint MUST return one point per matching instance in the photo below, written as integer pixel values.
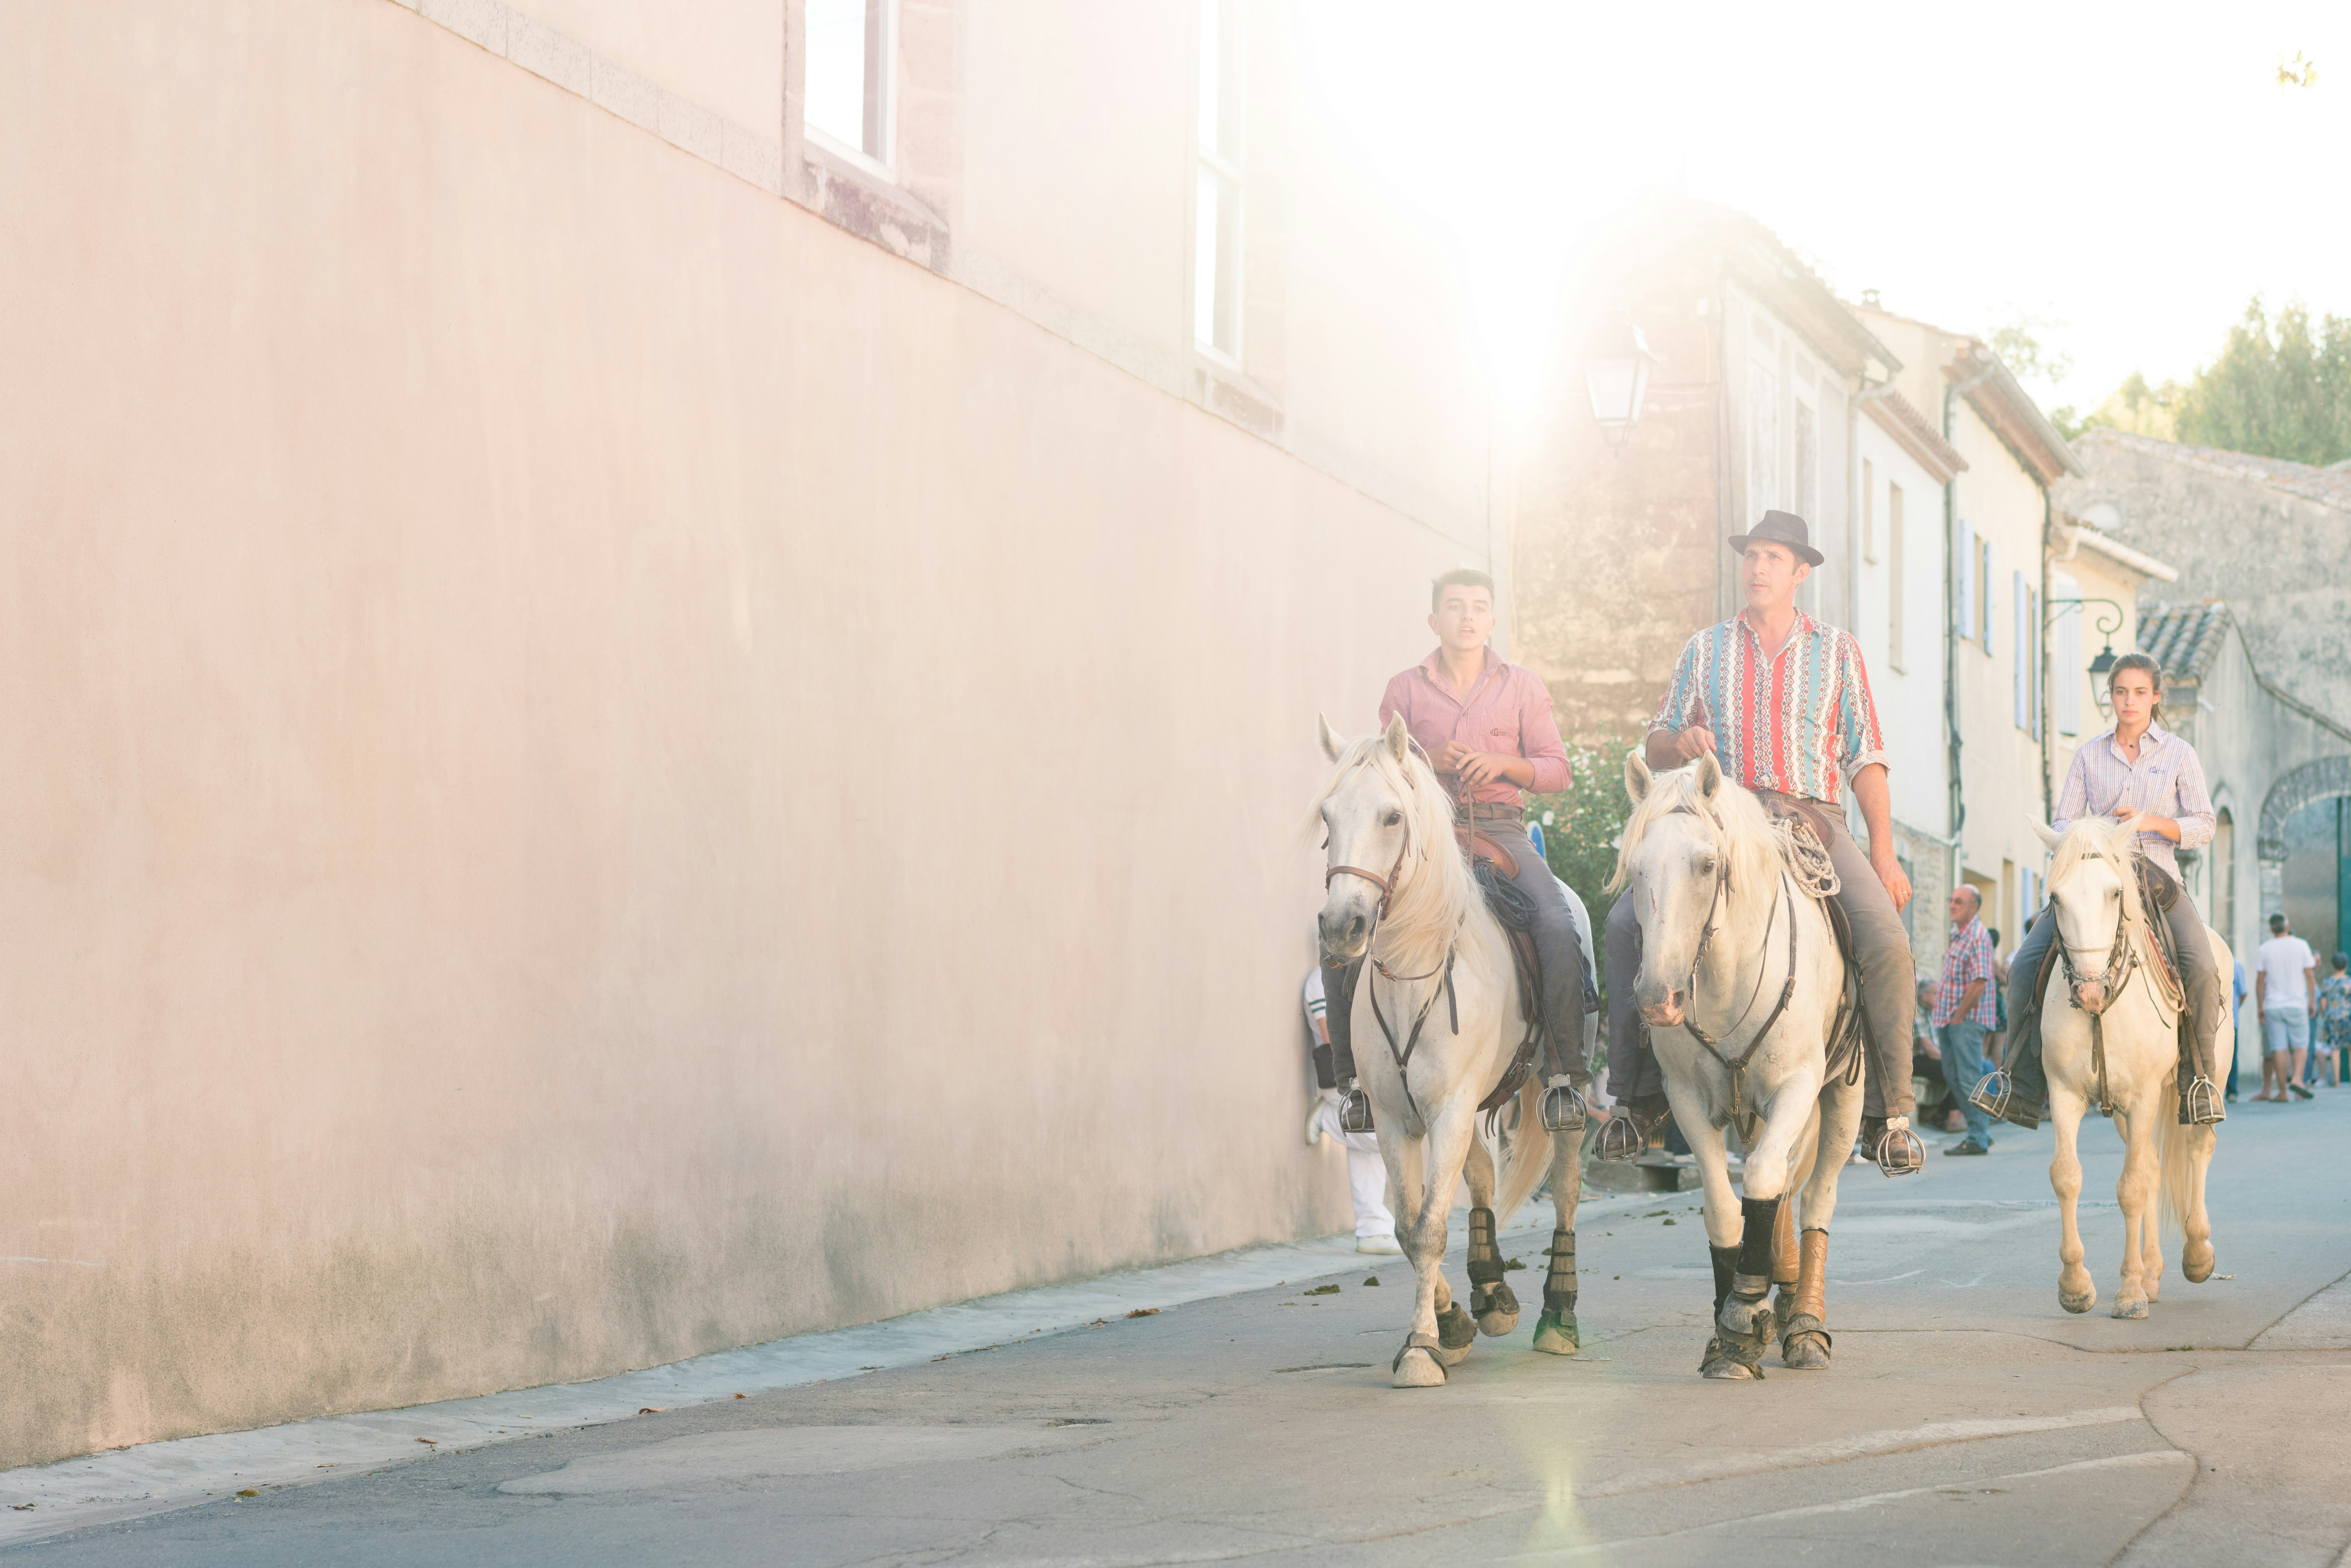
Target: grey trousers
(1559, 941)
(1890, 995)
(2200, 972)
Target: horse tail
(2178, 1198)
(1528, 1153)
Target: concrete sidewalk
(1967, 1419)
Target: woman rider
(2139, 770)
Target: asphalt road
(1967, 1419)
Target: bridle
(1402, 1055)
(2122, 960)
(1713, 1044)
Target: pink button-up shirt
(1507, 711)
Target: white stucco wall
(599, 769)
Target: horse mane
(2099, 839)
(1434, 892)
(1753, 848)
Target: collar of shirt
(2156, 739)
(1804, 626)
(1432, 669)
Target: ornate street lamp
(2110, 621)
(1616, 370)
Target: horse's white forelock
(2098, 839)
(1735, 817)
(1435, 890)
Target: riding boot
(2015, 1093)
(1892, 1144)
(1339, 1019)
(1632, 1128)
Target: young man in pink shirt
(1486, 724)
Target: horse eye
(1393, 818)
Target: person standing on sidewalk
(2331, 1029)
(1485, 726)
(2285, 989)
(1367, 1173)
(1783, 701)
(1964, 1012)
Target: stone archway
(2289, 792)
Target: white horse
(2118, 1045)
(1435, 1023)
(1741, 982)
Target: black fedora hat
(1780, 529)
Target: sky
(2129, 175)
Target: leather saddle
(1498, 871)
(1845, 1034)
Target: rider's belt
(1487, 811)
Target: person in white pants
(1367, 1174)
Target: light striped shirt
(2165, 781)
(1800, 722)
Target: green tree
(2280, 388)
(1580, 826)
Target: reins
(1402, 1055)
(2123, 955)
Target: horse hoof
(1497, 1309)
(1556, 1336)
(1494, 1325)
(1806, 1351)
(1416, 1368)
(1743, 1319)
(1456, 1331)
(1731, 1361)
(2196, 1262)
(2131, 1308)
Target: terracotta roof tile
(2184, 638)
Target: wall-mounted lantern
(1616, 370)
(2110, 621)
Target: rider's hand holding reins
(2140, 822)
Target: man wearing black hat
(1783, 702)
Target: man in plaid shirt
(1964, 1009)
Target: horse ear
(1709, 775)
(2048, 835)
(1399, 738)
(1637, 777)
(1332, 741)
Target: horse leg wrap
(1726, 1263)
(1785, 1268)
(1559, 1285)
(1753, 1275)
(1487, 1292)
(1729, 1352)
(1804, 1338)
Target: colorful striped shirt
(1969, 957)
(1800, 722)
(2167, 781)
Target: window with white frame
(1762, 441)
(849, 83)
(1983, 593)
(1963, 578)
(1808, 464)
(1896, 587)
(1220, 193)
(1868, 511)
(2068, 654)
(2021, 596)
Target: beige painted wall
(597, 770)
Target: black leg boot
(1492, 1300)
(1555, 1330)
(1339, 1019)
(1742, 1323)
(1726, 1266)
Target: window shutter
(1963, 573)
(2023, 682)
(2068, 657)
(1984, 592)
